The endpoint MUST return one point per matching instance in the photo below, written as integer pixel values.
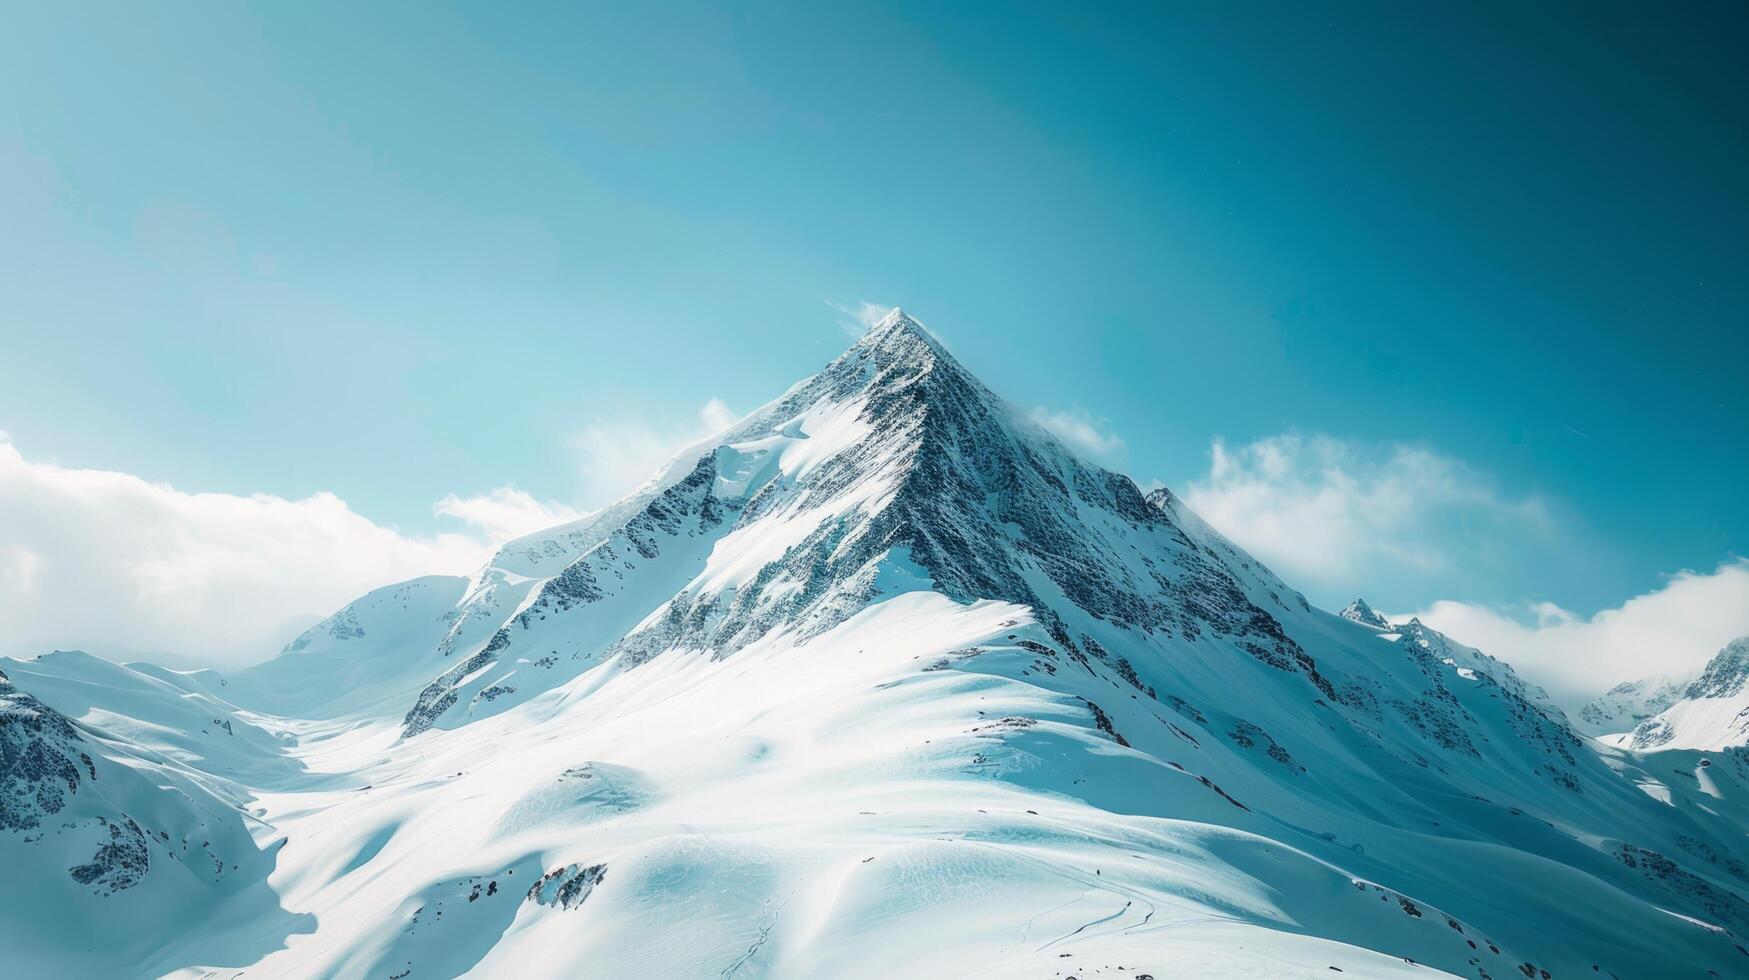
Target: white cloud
(859, 318)
(1339, 513)
(1082, 432)
(618, 454)
(113, 563)
(1674, 629)
(505, 513)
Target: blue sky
(1466, 285)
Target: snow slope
(123, 840)
(882, 681)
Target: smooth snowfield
(765, 818)
(879, 681)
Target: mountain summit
(892, 470)
(884, 680)
(1359, 612)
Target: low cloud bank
(1673, 629)
(126, 568)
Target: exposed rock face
(41, 761)
(567, 887)
(1726, 675)
(118, 864)
(441, 694)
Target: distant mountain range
(1709, 710)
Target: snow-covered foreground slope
(123, 823)
(883, 681)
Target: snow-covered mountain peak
(884, 680)
(1726, 674)
(905, 351)
(891, 470)
(1361, 613)
(895, 319)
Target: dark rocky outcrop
(40, 760)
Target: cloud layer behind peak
(123, 567)
(1674, 629)
(1340, 514)
(617, 453)
(505, 513)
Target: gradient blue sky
(400, 251)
